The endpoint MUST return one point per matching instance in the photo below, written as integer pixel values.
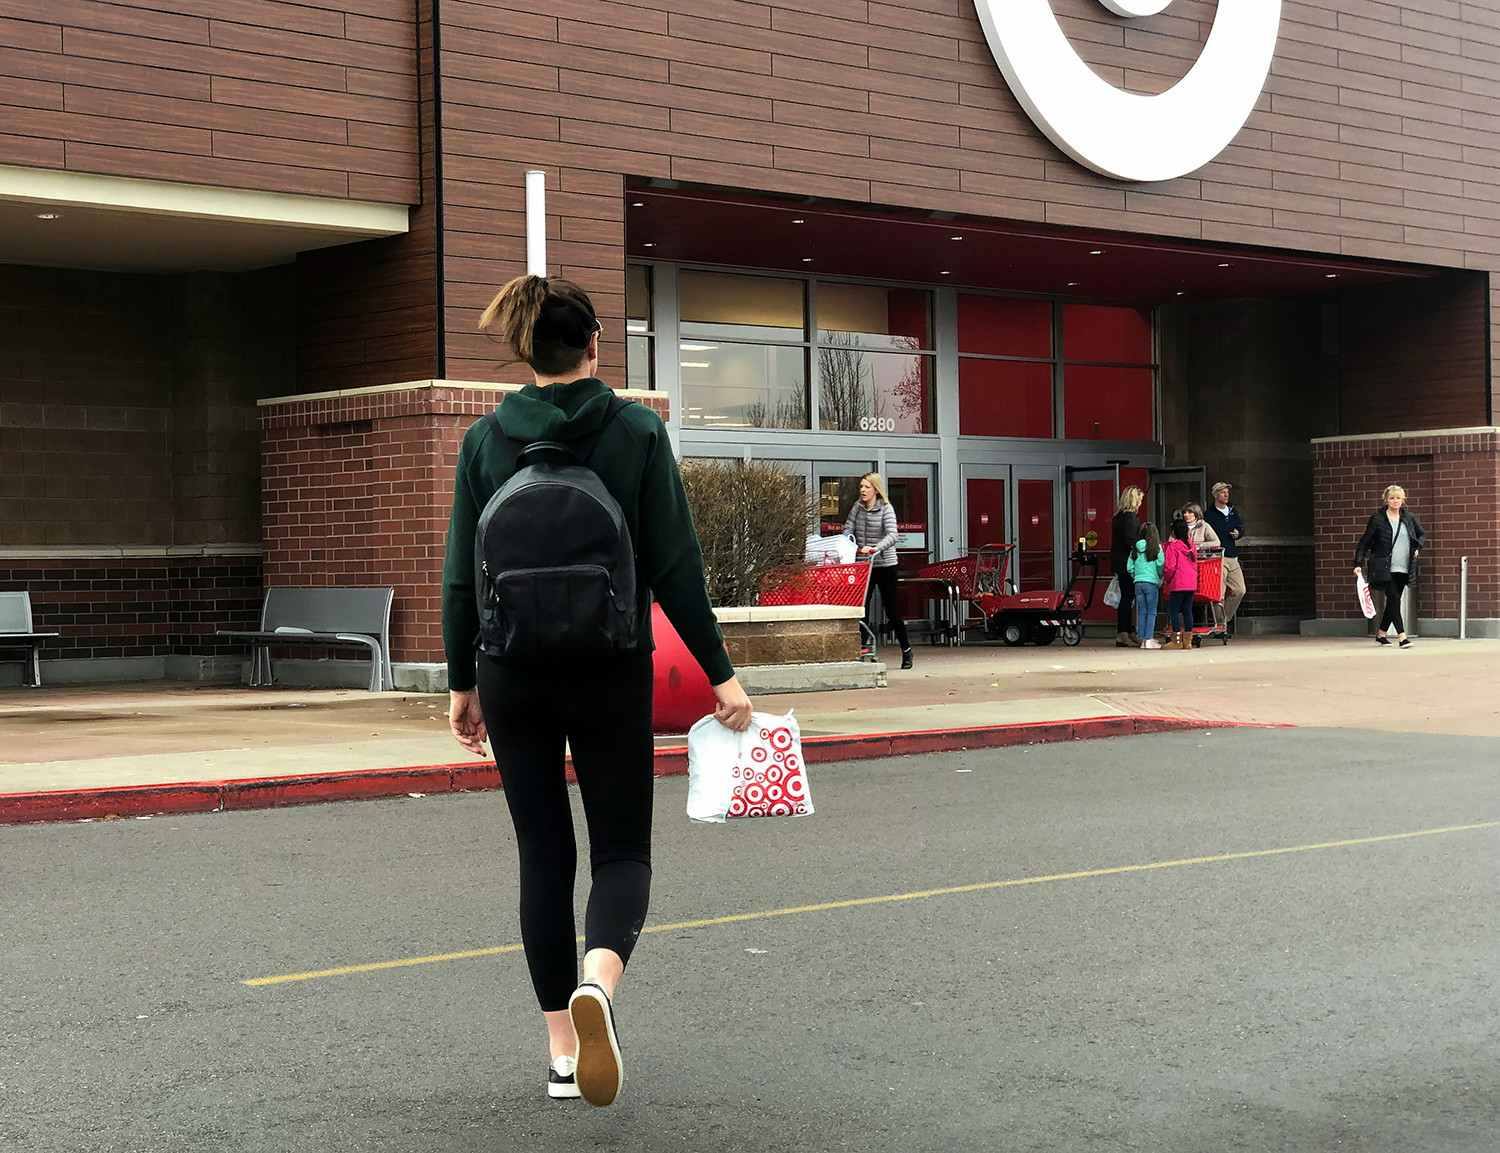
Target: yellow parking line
(891, 899)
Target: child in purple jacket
(1180, 583)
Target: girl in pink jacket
(1180, 583)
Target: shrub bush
(751, 519)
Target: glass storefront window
(1034, 567)
(1106, 403)
(728, 306)
(861, 391)
(875, 317)
(1001, 326)
(1004, 397)
(1108, 335)
(639, 328)
(727, 385)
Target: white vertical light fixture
(536, 222)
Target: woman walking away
(1180, 580)
(1146, 567)
(872, 525)
(1124, 533)
(568, 515)
(1387, 553)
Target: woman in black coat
(1124, 531)
(1387, 554)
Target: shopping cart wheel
(1072, 633)
(1012, 633)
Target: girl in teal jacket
(1145, 568)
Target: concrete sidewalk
(77, 739)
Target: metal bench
(16, 632)
(323, 616)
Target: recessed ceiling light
(945, 272)
(638, 204)
(955, 238)
(1182, 294)
(1072, 284)
(799, 221)
(1330, 276)
(807, 260)
(649, 244)
(1223, 266)
(1097, 252)
(49, 215)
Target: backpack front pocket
(564, 611)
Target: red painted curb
(313, 788)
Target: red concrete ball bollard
(682, 694)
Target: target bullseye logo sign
(1129, 135)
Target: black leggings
(1391, 618)
(1125, 614)
(603, 711)
(884, 579)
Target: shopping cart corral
(981, 592)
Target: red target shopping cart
(845, 585)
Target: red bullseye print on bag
(757, 773)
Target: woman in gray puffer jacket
(872, 526)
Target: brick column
(1452, 482)
(356, 489)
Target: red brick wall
(1453, 486)
(358, 489)
(138, 606)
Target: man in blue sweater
(1225, 520)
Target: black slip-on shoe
(562, 1083)
(601, 1070)
(1406, 643)
(1382, 639)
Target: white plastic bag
(830, 550)
(757, 773)
(1112, 594)
(1366, 600)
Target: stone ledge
(825, 677)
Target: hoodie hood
(559, 412)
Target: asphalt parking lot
(1259, 940)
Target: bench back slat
(329, 610)
(15, 612)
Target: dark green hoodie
(634, 460)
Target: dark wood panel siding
(272, 95)
(368, 313)
(1376, 135)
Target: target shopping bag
(1366, 601)
(757, 773)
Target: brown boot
(1186, 641)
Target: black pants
(1391, 618)
(1125, 614)
(604, 713)
(885, 580)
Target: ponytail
(547, 323)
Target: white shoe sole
(563, 1092)
(601, 1071)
